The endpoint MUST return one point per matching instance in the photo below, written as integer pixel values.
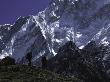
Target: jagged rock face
(67, 56)
(7, 32)
(79, 21)
(5, 35)
(82, 64)
(27, 38)
(88, 19)
(91, 50)
(97, 54)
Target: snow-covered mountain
(79, 21)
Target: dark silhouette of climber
(29, 58)
(44, 62)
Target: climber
(29, 58)
(44, 62)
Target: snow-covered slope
(63, 20)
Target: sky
(10, 10)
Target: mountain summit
(80, 21)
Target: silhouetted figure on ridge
(29, 58)
(44, 62)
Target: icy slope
(63, 20)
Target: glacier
(80, 21)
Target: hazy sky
(10, 10)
